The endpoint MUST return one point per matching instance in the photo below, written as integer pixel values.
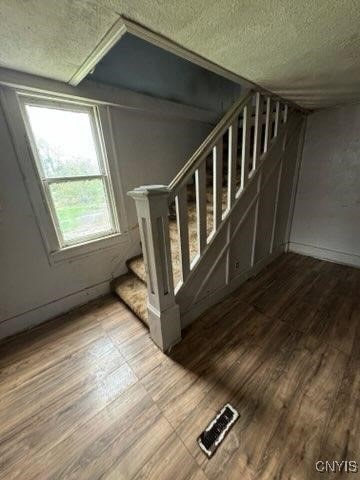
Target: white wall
(150, 148)
(326, 221)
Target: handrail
(195, 160)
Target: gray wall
(150, 149)
(142, 67)
(326, 221)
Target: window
(72, 167)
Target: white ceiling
(307, 51)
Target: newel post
(164, 314)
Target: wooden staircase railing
(260, 119)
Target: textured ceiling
(307, 51)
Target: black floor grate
(216, 431)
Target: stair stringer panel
(247, 241)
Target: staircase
(131, 287)
(187, 226)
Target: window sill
(84, 249)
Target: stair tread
(137, 266)
(133, 293)
(131, 287)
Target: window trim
(45, 181)
(12, 101)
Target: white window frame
(14, 102)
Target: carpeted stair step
(133, 293)
(137, 266)
(131, 287)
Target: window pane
(81, 209)
(64, 141)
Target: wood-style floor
(89, 396)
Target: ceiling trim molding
(163, 42)
(160, 41)
(125, 25)
(111, 37)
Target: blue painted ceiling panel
(140, 66)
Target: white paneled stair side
(221, 220)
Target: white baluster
(277, 118)
(183, 231)
(268, 123)
(245, 157)
(218, 182)
(258, 130)
(232, 161)
(200, 185)
(285, 116)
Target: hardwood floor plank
(171, 461)
(340, 439)
(294, 446)
(275, 423)
(335, 323)
(282, 292)
(89, 395)
(63, 418)
(143, 449)
(128, 412)
(275, 272)
(256, 360)
(82, 369)
(181, 398)
(190, 359)
(34, 350)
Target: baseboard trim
(215, 297)
(335, 256)
(43, 313)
